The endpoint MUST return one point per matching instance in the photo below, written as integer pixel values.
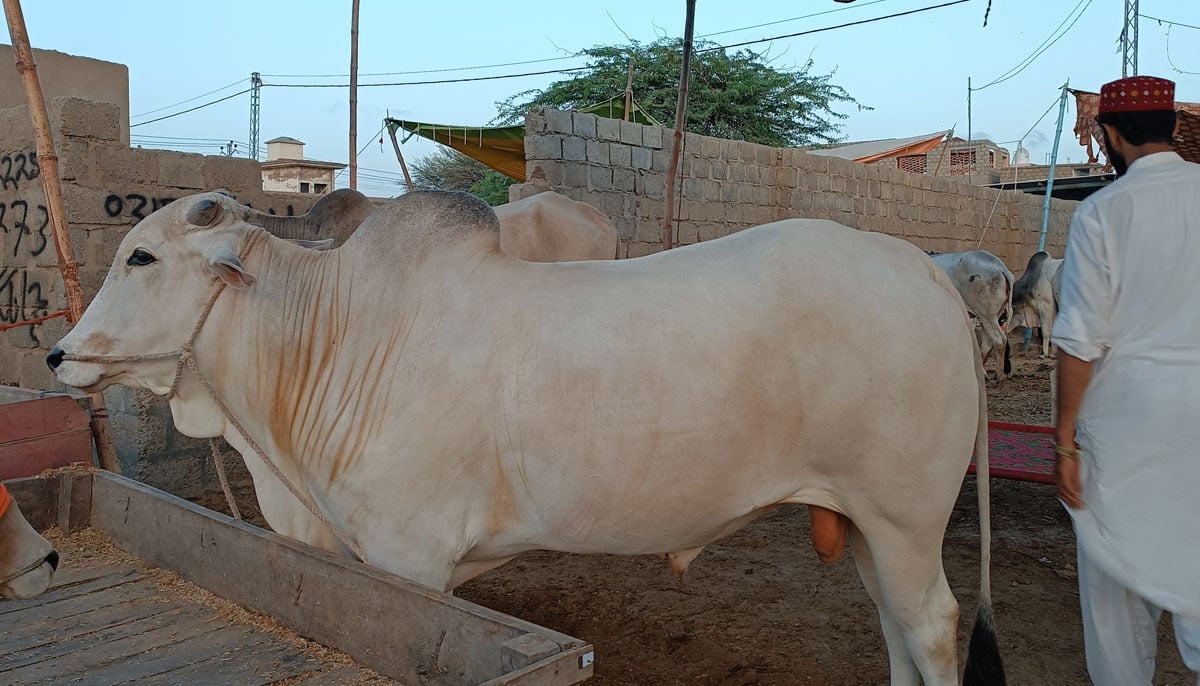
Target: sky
(911, 71)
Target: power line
(1039, 121)
(839, 26)
(424, 71)
(1171, 61)
(193, 109)
(184, 102)
(427, 83)
(443, 70)
(1046, 45)
(1167, 21)
(784, 21)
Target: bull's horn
(204, 213)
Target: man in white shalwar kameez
(1128, 333)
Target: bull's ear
(204, 213)
(323, 244)
(226, 266)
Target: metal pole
(255, 105)
(1129, 40)
(354, 94)
(1062, 110)
(970, 149)
(48, 160)
(680, 119)
(628, 91)
(408, 186)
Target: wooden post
(629, 92)
(680, 118)
(354, 94)
(945, 147)
(48, 161)
(400, 158)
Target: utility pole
(255, 88)
(680, 122)
(1129, 40)
(354, 94)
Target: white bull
(985, 284)
(448, 407)
(1035, 296)
(27, 561)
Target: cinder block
(597, 152)
(718, 169)
(574, 149)
(640, 158)
(575, 175)
(543, 147)
(660, 160)
(620, 155)
(729, 191)
(583, 125)
(559, 121)
(623, 179)
(235, 174)
(652, 137)
(654, 185)
(547, 171)
(75, 158)
(16, 128)
(608, 129)
(600, 178)
(120, 166)
(640, 249)
(631, 133)
(181, 170)
(85, 119)
(535, 121)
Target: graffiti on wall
(137, 206)
(24, 226)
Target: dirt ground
(759, 608)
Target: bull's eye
(139, 258)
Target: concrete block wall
(620, 168)
(107, 188)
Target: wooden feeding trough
(400, 629)
(40, 430)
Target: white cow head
(27, 561)
(165, 271)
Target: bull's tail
(984, 666)
(1007, 356)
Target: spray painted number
(13, 168)
(21, 299)
(134, 205)
(14, 218)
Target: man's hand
(1073, 377)
(1066, 476)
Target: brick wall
(620, 168)
(107, 188)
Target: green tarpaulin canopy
(503, 147)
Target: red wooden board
(41, 434)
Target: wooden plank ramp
(116, 625)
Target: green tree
(493, 188)
(449, 170)
(738, 96)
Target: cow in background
(986, 286)
(1035, 296)
(27, 561)
(547, 227)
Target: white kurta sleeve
(1081, 328)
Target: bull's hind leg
(903, 669)
(914, 590)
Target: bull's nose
(52, 560)
(55, 358)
